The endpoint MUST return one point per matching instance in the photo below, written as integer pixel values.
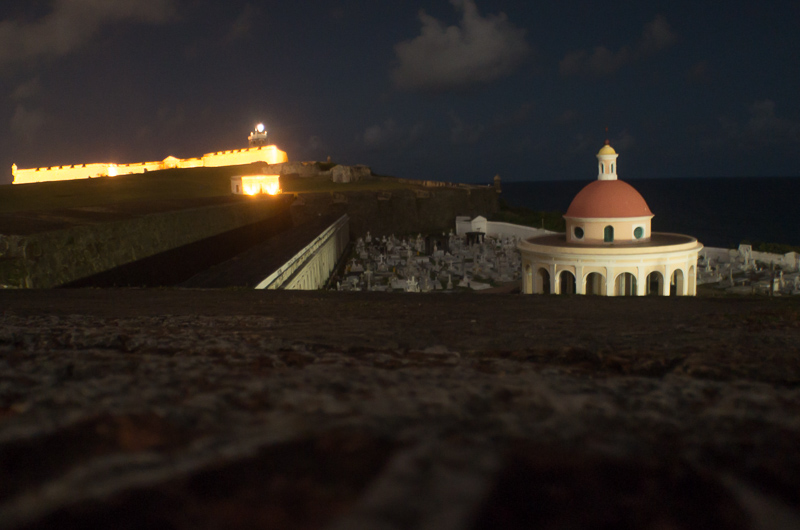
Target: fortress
(258, 151)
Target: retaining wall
(310, 268)
(49, 259)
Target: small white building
(256, 184)
(609, 248)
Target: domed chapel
(609, 248)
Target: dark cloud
(70, 24)
(26, 123)
(377, 137)
(27, 90)
(242, 27)
(656, 36)
(700, 73)
(390, 137)
(568, 117)
(479, 50)
(520, 115)
(464, 133)
(765, 126)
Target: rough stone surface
(245, 409)
(345, 174)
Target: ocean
(719, 212)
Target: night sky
(450, 90)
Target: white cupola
(607, 163)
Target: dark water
(720, 212)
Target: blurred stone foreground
(250, 409)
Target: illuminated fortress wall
(269, 154)
(265, 153)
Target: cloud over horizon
(478, 50)
(71, 24)
(656, 36)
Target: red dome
(608, 199)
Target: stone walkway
(243, 409)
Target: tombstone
(475, 238)
(450, 282)
(368, 239)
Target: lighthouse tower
(258, 137)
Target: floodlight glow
(112, 170)
(272, 188)
(260, 127)
(257, 184)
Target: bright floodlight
(260, 127)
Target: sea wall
(49, 259)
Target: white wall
(310, 268)
(496, 228)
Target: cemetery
(745, 271)
(444, 262)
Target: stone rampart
(400, 211)
(269, 154)
(57, 257)
(49, 259)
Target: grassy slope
(523, 216)
(170, 184)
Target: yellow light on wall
(112, 170)
(255, 184)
